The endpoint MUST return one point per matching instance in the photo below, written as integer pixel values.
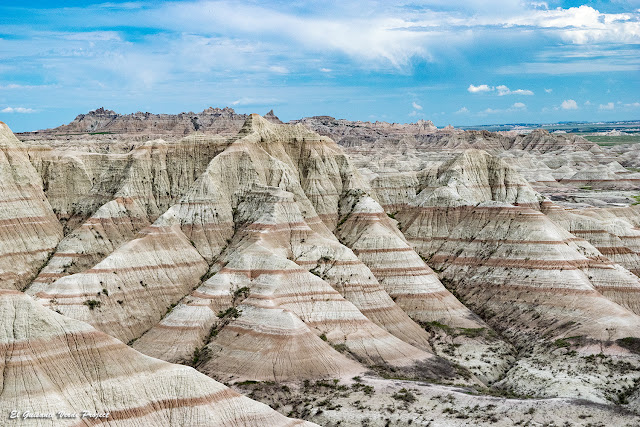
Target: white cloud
(279, 69)
(501, 89)
(519, 106)
(540, 4)
(580, 25)
(548, 90)
(463, 110)
(326, 70)
(633, 104)
(573, 67)
(480, 88)
(256, 101)
(416, 106)
(587, 102)
(607, 106)
(383, 35)
(504, 90)
(569, 104)
(17, 110)
(20, 86)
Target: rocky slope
(52, 364)
(274, 261)
(29, 230)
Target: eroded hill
(303, 275)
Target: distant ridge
(211, 120)
(422, 134)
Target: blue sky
(453, 62)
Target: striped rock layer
(267, 256)
(144, 184)
(29, 230)
(509, 261)
(259, 218)
(51, 363)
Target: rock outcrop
(52, 364)
(259, 219)
(29, 230)
(211, 120)
(267, 255)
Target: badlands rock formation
(285, 265)
(211, 120)
(29, 230)
(51, 364)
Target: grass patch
(560, 343)
(241, 292)
(342, 348)
(435, 324)
(607, 140)
(472, 332)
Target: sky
(465, 62)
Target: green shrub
(92, 304)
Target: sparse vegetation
(242, 292)
(231, 312)
(405, 396)
(92, 304)
(610, 140)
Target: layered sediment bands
(58, 364)
(623, 226)
(288, 308)
(268, 256)
(258, 199)
(76, 182)
(130, 290)
(423, 135)
(29, 230)
(395, 190)
(407, 279)
(517, 268)
(473, 177)
(158, 173)
(416, 289)
(212, 120)
(611, 244)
